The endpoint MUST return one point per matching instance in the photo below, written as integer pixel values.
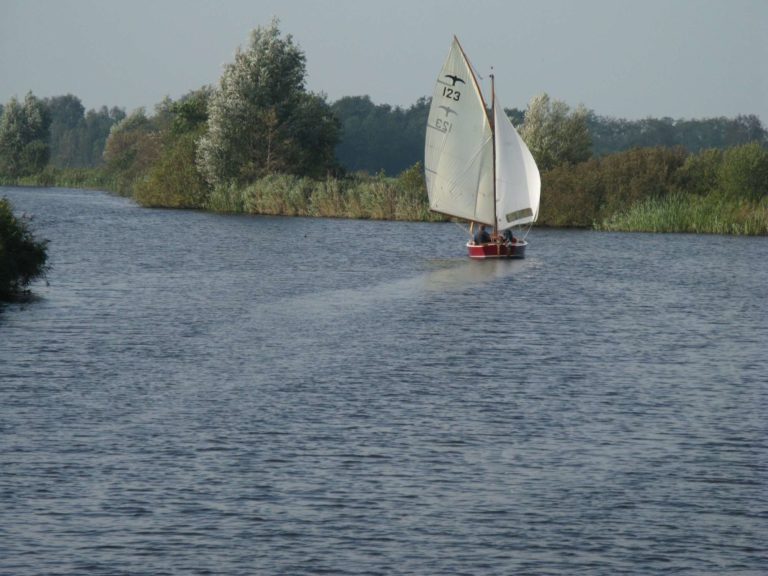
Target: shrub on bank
(581, 195)
(174, 181)
(22, 257)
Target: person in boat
(509, 238)
(482, 236)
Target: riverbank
(642, 190)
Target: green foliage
(67, 114)
(681, 212)
(173, 181)
(153, 157)
(77, 139)
(24, 132)
(94, 133)
(554, 134)
(412, 201)
(379, 137)
(700, 172)
(131, 150)
(661, 190)
(610, 135)
(22, 257)
(359, 196)
(585, 193)
(744, 172)
(190, 113)
(262, 121)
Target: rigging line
(464, 229)
(530, 225)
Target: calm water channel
(205, 394)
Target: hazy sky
(622, 58)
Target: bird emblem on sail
(454, 79)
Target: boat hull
(497, 250)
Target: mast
(493, 148)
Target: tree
(261, 120)
(173, 180)
(554, 134)
(24, 130)
(98, 125)
(611, 135)
(379, 137)
(67, 119)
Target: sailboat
(476, 165)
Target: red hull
(494, 250)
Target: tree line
(259, 141)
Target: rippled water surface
(203, 394)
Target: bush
(22, 258)
(174, 181)
(592, 191)
(700, 172)
(744, 172)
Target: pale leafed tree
(261, 120)
(555, 134)
(24, 135)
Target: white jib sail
(518, 184)
(458, 152)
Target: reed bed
(680, 212)
(86, 178)
(359, 197)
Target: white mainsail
(459, 154)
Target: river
(192, 393)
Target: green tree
(380, 137)
(96, 130)
(611, 135)
(24, 132)
(261, 120)
(173, 181)
(555, 134)
(190, 112)
(22, 257)
(67, 119)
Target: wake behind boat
(477, 167)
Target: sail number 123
(451, 93)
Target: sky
(628, 59)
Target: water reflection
(458, 274)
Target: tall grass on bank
(361, 197)
(681, 212)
